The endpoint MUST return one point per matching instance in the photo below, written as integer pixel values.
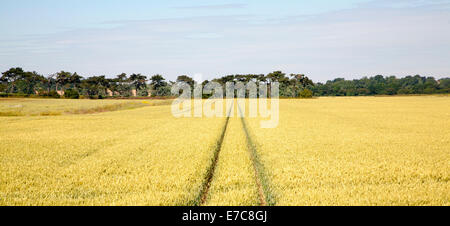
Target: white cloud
(212, 7)
(347, 43)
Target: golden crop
(52, 107)
(359, 151)
(233, 183)
(142, 156)
(325, 151)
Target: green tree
(49, 81)
(186, 79)
(75, 81)
(298, 83)
(159, 86)
(62, 79)
(157, 81)
(138, 81)
(11, 76)
(93, 85)
(32, 82)
(306, 93)
(72, 94)
(121, 84)
(276, 76)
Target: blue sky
(323, 38)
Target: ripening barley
(234, 181)
(326, 151)
(142, 156)
(51, 107)
(359, 151)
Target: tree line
(380, 85)
(17, 82)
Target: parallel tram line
(202, 198)
(266, 198)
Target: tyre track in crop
(266, 197)
(262, 182)
(201, 200)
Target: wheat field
(325, 151)
(234, 182)
(133, 157)
(359, 151)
